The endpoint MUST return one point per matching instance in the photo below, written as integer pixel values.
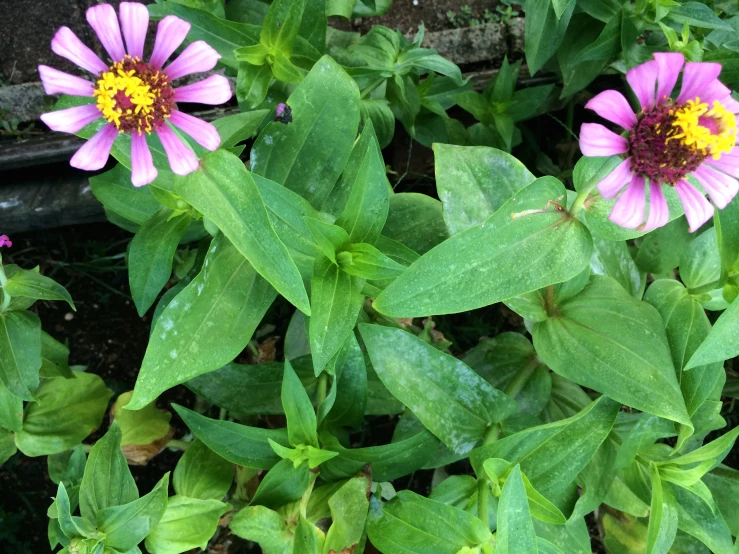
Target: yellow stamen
(689, 130)
(138, 93)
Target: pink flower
(5, 241)
(666, 141)
(134, 96)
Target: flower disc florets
(672, 140)
(134, 96)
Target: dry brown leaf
(140, 454)
(267, 350)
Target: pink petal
(66, 44)
(730, 104)
(612, 183)
(670, 64)
(71, 120)
(135, 23)
(182, 160)
(103, 19)
(196, 58)
(204, 133)
(659, 212)
(213, 90)
(5, 241)
(143, 171)
(170, 34)
(643, 81)
(716, 90)
(58, 82)
(612, 106)
(697, 76)
(596, 140)
(726, 163)
(698, 210)
(719, 186)
(94, 153)
(628, 211)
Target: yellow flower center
(708, 129)
(134, 96)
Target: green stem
(322, 386)
(579, 201)
(520, 379)
(491, 435)
(370, 88)
(483, 492)
(6, 297)
(178, 444)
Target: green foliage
(400, 369)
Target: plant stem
(370, 88)
(322, 385)
(579, 201)
(482, 499)
(520, 380)
(178, 444)
(491, 435)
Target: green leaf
(31, 284)
(226, 194)
(700, 263)
(349, 506)
(715, 450)
(301, 419)
(107, 481)
(368, 202)
(526, 245)
(309, 539)
(11, 410)
(687, 326)
(225, 36)
(7, 446)
(515, 534)
(544, 31)
(581, 33)
(250, 389)
(114, 191)
(336, 302)
(368, 262)
(451, 400)
(308, 155)
(127, 525)
(723, 483)
(206, 325)
(416, 221)
(613, 259)
(410, 523)
(236, 128)
(54, 358)
(201, 473)
(389, 461)
(662, 518)
(697, 14)
(540, 507)
(329, 238)
(703, 522)
(150, 256)
(65, 412)
(281, 24)
(721, 343)
(239, 444)
(553, 455)
(284, 483)
(606, 47)
(20, 352)
(265, 526)
(726, 225)
(252, 84)
(560, 6)
(607, 340)
(70, 525)
(474, 182)
(187, 523)
(661, 249)
(143, 426)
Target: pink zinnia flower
(667, 140)
(134, 96)
(5, 241)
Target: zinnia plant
(667, 141)
(134, 96)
